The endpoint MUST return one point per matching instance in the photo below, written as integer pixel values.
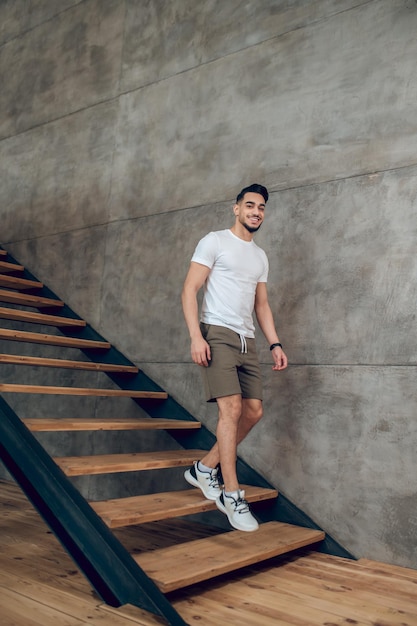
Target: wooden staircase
(169, 568)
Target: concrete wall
(127, 128)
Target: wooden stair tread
(6, 267)
(23, 299)
(66, 364)
(39, 318)
(52, 340)
(19, 283)
(43, 424)
(158, 506)
(191, 562)
(81, 391)
(135, 461)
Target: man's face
(250, 211)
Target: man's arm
(266, 322)
(196, 277)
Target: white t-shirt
(237, 266)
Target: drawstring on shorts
(243, 345)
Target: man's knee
(253, 411)
(230, 407)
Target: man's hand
(200, 351)
(280, 359)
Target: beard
(251, 229)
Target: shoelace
(214, 481)
(240, 505)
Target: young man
(233, 271)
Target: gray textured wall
(126, 129)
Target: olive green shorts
(230, 371)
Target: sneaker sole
(194, 482)
(232, 523)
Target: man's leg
(233, 412)
(247, 412)
(230, 411)
(205, 474)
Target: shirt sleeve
(264, 276)
(206, 251)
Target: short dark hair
(255, 188)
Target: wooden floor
(40, 586)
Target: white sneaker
(237, 510)
(208, 482)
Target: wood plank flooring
(40, 585)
